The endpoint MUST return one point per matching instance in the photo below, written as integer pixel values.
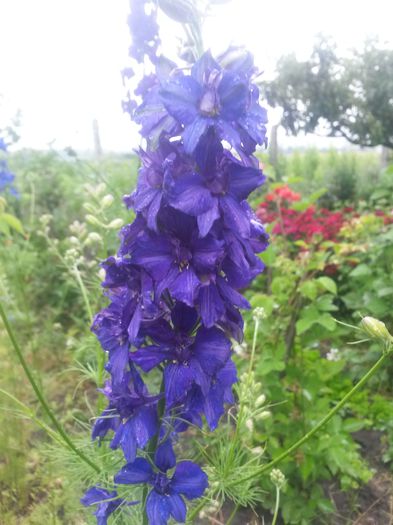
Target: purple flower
(168, 160)
(131, 292)
(144, 29)
(189, 361)
(107, 503)
(214, 97)
(216, 189)
(166, 498)
(7, 178)
(131, 414)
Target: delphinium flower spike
(174, 285)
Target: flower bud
(93, 238)
(107, 201)
(250, 425)
(277, 478)
(93, 220)
(263, 415)
(89, 207)
(259, 313)
(376, 329)
(258, 451)
(74, 240)
(115, 224)
(45, 219)
(260, 400)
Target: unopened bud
(93, 220)
(376, 329)
(93, 238)
(250, 425)
(107, 201)
(258, 451)
(277, 478)
(89, 207)
(115, 224)
(263, 415)
(260, 400)
(259, 313)
(74, 240)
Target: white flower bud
(46, 219)
(74, 240)
(277, 478)
(93, 238)
(115, 224)
(250, 425)
(258, 451)
(259, 313)
(263, 415)
(376, 329)
(260, 400)
(93, 220)
(107, 201)
(89, 207)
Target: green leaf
(362, 270)
(353, 425)
(309, 289)
(12, 221)
(304, 324)
(269, 256)
(327, 322)
(328, 284)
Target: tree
(350, 96)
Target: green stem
(196, 511)
(277, 506)
(76, 273)
(323, 421)
(39, 395)
(254, 345)
(233, 514)
(152, 448)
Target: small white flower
(259, 313)
(333, 355)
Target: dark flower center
(161, 483)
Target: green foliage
(302, 365)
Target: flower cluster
(307, 224)
(174, 285)
(295, 224)
(6, 176)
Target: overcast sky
(60, 60)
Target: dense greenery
(350, 96)
(302, 364)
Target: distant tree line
(349, 96)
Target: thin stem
(254, 345)
(76, 273)
(196, 511)
(152, 448)
(323, 421)
(233, 514)
(39, 395)
(276, 507)
(100, 356)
